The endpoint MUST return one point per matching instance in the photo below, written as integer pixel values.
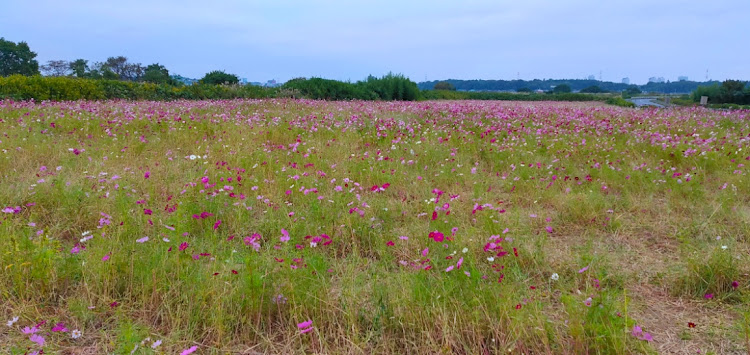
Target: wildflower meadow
(435, 227)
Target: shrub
(619, 101)
(20, 87)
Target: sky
(422, 39)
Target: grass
(572, 223)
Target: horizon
(425, 41)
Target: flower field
(295, 226)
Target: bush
(20, 87)
(444, 85)
(392, 87)
(389, 87)
(619, 101)
(218, 77)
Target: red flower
(436, 236)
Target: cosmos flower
(305, 326)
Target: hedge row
(389, 87)
(20, 87)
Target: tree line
(576, 85)
(733, 92)
(18, 58)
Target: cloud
(350, 39)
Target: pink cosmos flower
(142, 240)
(37, 339)
(639, 334)
(436, 236)
(217, 224)
(59, 327)
(147, 175)
(106, 257)
(189, 350)
(583, 270)
(305, 326)
(183, 246)
(735, 284)
(284, 236)
(27, 330)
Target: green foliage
(444, 85)
(523, 89)
(325, 89)
(562, 89)
(17, 59)
(79, 67)
(218, 77)
(619, 101)
(575, 84)
(505, 96)
(630, 91)
(36, 87)
(389, 87)
(392, 87)
(710, 274)
(157, 74)
(729, 92)
(594, 89)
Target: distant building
(592, 77)
(271, 84)
(654, 79)
(243, 81)
(184, 80)
(682, 78)
(626, 81)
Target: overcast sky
(423, 39)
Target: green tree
(158, 74)
(218, 77)
(444, 85)
(594, 89)
(630, 91)
(17, 59)
(79, 67)
(524, 89)
(56, 68)
(561, 89)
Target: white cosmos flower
(193, 157)
(75, 334)
(554, 277)
(10, 322)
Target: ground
(295, 226)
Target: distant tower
(600, 75)
(518, 75)
(706, 74)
